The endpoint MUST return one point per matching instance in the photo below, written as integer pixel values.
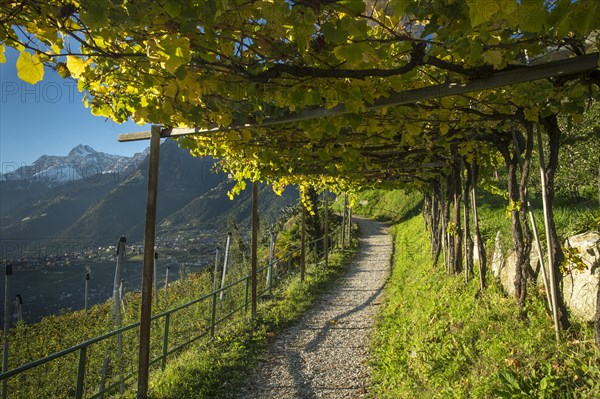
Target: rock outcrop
(580, 288)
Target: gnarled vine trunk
(468, 241)
(457, 233)
(522, 257)
(435, 223)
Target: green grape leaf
(333, 34)
(531, 114)
(495, 58)
(173, 8)
(531, 15)
(2, 56)
(355, 6)
(481, 12)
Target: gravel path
(324, 354)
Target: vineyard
(434, 96)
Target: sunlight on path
(324, 355)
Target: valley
(54, 230)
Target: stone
(498, 257)
(580, 288)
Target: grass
(571, 217)
(214, 369)
(390, 205)
(436, 338)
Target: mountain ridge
(97, 211)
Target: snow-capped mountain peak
(82, 151)
(82, 162)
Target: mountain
(82, 163)
(94, 210)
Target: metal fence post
(7, 276)
(155, 277)
(81, 373)
(117, 309)
(225, 261)
(216, 269)
(349, 226)
(254, 255)
(326, 228)
(246, 297)
(165, 345)
(213, 314)
(86, 291)
(270, 266)
(344, 220)
(303, 244)
(167, 284)
(19, 307)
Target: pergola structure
(562, 68)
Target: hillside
(97, 211)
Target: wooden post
(326, 230)
(303, 244)
(148, 267)
(480, 248)
(7, 276)
(538, 247)
(553, 279)
(254, 246)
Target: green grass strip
(435, 338)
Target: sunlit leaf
(29, 68)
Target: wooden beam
(524, 74)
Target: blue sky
(49, 119)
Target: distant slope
(211, 209)
(97, 211)
(40, 212)
(182, 178)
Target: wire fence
(106, 365)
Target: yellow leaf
(76, 66)
(29, 68)
(2, 56)
(102, 110)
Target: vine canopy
(216, 63)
